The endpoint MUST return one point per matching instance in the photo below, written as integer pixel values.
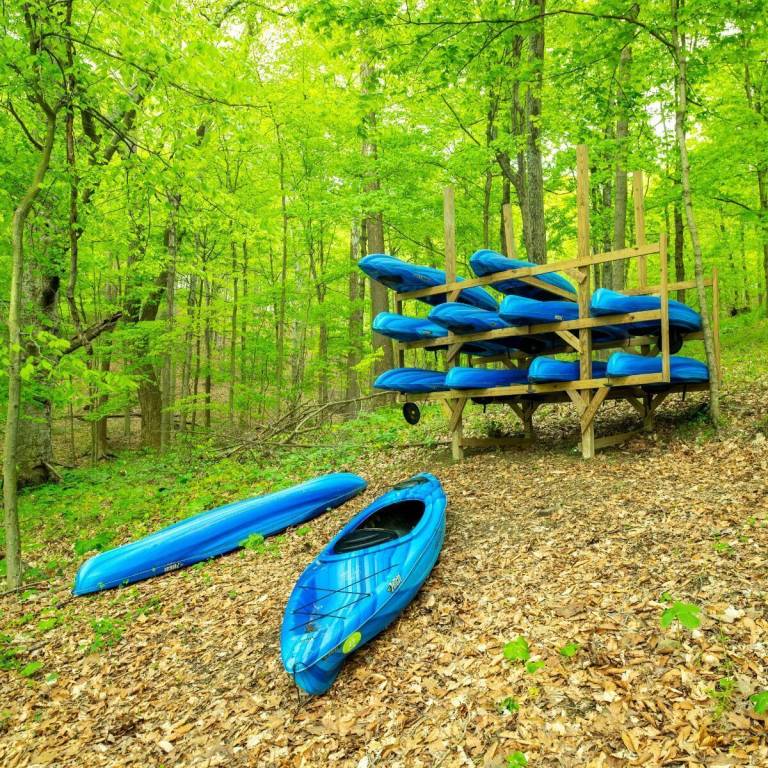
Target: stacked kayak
(414, 380)
(544, 370)
(402, 328)
(402, 276)
(362, 580)
(485, 262)
(683, 370)
(520, 310)
(682, 319)
(459, 318)
(480, 378)
(215, 532)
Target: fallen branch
(22, 587)
(92, 332)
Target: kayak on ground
(215, 532)
(404, 277)
(362, 580)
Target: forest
(186, 189)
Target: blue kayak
(520, 310)
(460, 318)
(486, 262)
(403, 328)
(547, 369)
(480, 378)
(682, 319)
(215, 532)
(362, 580)
(403, 277)
(415, 380)
(683, 370)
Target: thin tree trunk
(681, 114)
(208, 361)
(169, 363)
(11, 440)
(356, 302)
(189, 335)
(679, 246)
(233, 338)
(244, 379)
(533, 160)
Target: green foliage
(107, 632)
(722, 695)
(517, 760)
(687, 614)
(508, 706)
(532, 667)
(759, 702)
(569, 650)
(31, 669)
(517, 650)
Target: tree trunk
(208, 361)
(762, 187)
(167, 418)
(244, 377)
(189, 335)
(356, 302)
(233, 338)
(679, 247)
(11, 439)
(533, 161)
(681, 113)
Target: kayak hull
(485, 262)
(214, 532)
(682, 318)
(481, 378)
(349, 595)
(414, 380)
(403, 276)
(544, 370)
(683, 370)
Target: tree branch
(92, 332)
(35, 143)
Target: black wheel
(675, 341)
(411, 413)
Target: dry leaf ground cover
(579, 559)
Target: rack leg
(587, 432)
(457, 429)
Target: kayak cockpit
(386, 524)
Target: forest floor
(581, 559)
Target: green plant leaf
(759, 702)
(688, 614)
(31, 669)
(516, 760)
(517, 650)
(569, 650)
(532, 667)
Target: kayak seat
(386, 524)
(363, 538)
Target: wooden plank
(577, 400)
(636, 404)
(650, 290)
(509, 231)
(570, 339)
(657, 400)
(588, 416)
(540, 269)
(456, 428)
(399, 348)
(665, 363)
(637, 201)
(449, 233)
(584, 292)
(495, 442)
(622, 437)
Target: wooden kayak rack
(587, 393)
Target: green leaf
(532, 667)
(31, 669)
(759, 702)
(45, 625)
(569, 650)
(688, 614)
(517, 650)
(516, 760)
